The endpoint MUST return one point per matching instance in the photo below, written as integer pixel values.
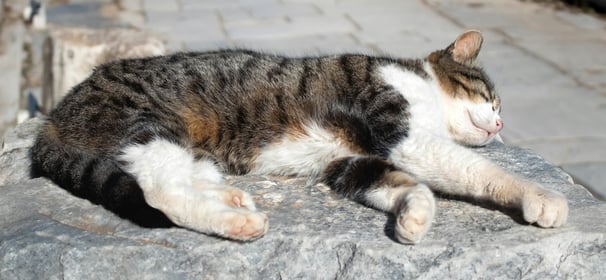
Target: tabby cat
(149, 139)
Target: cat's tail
(94, 177)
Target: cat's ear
(466, 48)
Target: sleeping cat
(149, 139)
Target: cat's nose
(499, 125)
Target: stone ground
(548, 65)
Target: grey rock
(45, 233)
(14, 161)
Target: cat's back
(119, 96)
(227, 89)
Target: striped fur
(147, 138)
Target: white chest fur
(303, 155)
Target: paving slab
(591, 174)
(181, 28)
(161, 5)
(208, 4)
(307, 45)
(582, 20)
(279, 10)
(296, 26)
(236, 15)
(576, 58)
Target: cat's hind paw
(415, 217)
(545, 208)
(230, 196)
(244, 225)
(236, 198)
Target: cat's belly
(302, 153)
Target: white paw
(545, 208)
(237, 198)
(414, 220)
(244, 225)
(206, 171)
(232, 197)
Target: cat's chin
(476, 141)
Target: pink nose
(499, 125)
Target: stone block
(87, 14)
(130, 5)
(47, 233)
(11, 60)
(70, 54)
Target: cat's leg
(165, 173)
(208, 178)
(379, 184)
(453, 169)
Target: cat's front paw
(544, 207)
(415, 217)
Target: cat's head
(471, 104)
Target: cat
(151, 138)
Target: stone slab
(47, 233)
(590, 173)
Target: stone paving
(548, 65)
